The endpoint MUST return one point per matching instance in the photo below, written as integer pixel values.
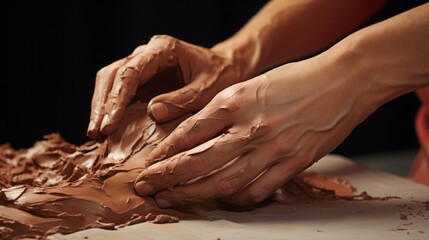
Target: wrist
(345, 72)
(393, 54)
(368, 77)
(244, 53)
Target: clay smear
(57, 187)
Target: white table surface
(319, 220)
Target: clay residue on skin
(176, 52)
(57, 187)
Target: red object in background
(420, 169)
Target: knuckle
(227, 187)
(283, 146)
(181, 138)
(228, 100)
(162, 37)
(127, 72)
(102, 73)
(109, 70)
(199, 164)
(226, 94)
(259, 129)
(163, 47)
(163, 41)
(138, 49)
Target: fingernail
(143, 188)
(163, 203)
(159, 111)
(104, 121)
(91, 132)
(107, 127)
(91, 126)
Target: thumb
(169, 106)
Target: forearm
(286, 30)
(254, 136)
(393, 54)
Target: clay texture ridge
(57, 187)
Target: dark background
(56, 47)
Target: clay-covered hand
(256, 135)
(204, 72)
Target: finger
(172, 105)
(230, 180)
(103, 86)
(198, 162)
(197, 129)
(265, 185)
(137, 71)
(198, 91)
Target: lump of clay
(57, 187)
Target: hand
(256, 135)
(205, 72)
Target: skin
(203, 71)
(264, 42)
(254, 136)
